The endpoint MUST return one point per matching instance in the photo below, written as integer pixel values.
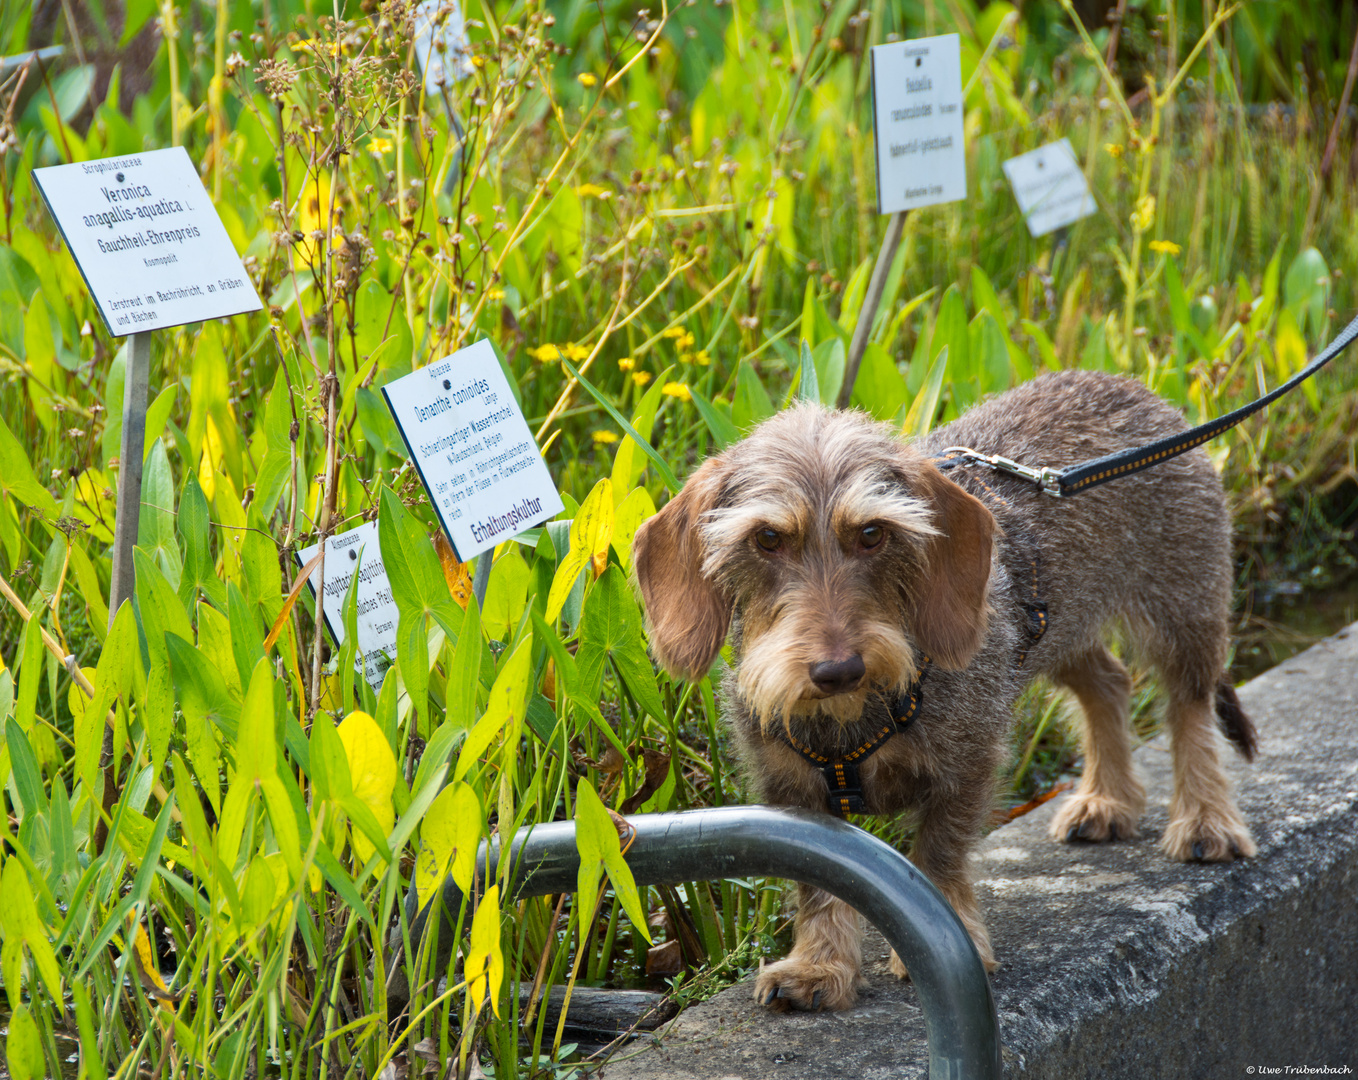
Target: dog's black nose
(838, 676)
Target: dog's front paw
(797, 984)
(1094, 818)
(1210, 835)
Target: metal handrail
(813, 848)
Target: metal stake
(867, 314)
(454, 169)
(123, 582)
(482, 577)
(1059, 247)
(138, 376)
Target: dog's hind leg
(823, 970)
(1204, 821)
(1110, 797)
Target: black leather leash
(1077, 478)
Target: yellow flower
(1165, 247)
(576, 353)
(626, 363)
(478, 61)
(593, 191)
(309, 45)
(377, 146)
(684, 342)
(673, 332)
(495, 294)
(1114, 149)
(545, 354)
(310, 217)
(1143, 217)
(701, 358)
(587, 80)
(677, 390)
(602, 437)
(641, 378)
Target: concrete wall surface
(1116, 962)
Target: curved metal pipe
(813, 848)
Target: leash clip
(1046, 478)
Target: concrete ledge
(1116, 962)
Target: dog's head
(846, 554)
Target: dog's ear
(949, 605)
(687, 615)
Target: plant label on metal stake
(441, 44)
(358, 552)
(148, 241)
(154, 254)
(471, 446)
(444, 55)
(921, 156)
(1050, 187)
(917, 113)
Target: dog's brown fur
(947, 582)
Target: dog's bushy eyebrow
(872, 497)
(725, 528)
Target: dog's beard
(774, 674)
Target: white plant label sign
(441, 44)
(358, 552)
(148, 241)
(472, 448)
(1050, 187)
(917, 112)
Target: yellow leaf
(372, 769)
(372, 765)
(505, 709)
(1289, 346)
(332, 692)
(634, 510)
(591, 532)
(485, 966)
(76, 700)
(449, 835)
(211, 463)
(257, 747)
(148, 972)
(21, 923)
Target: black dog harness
(844, 794)
(844, 788)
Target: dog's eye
(768, 539)
(871, 535)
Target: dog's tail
(1235, 725)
